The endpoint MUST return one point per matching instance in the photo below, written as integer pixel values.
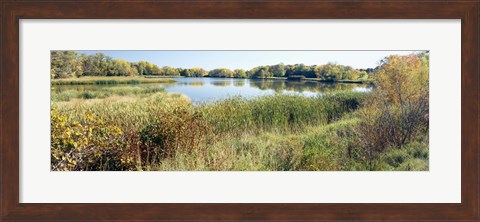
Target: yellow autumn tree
(402, 79)
(398, 111)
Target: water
(201, 90)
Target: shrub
(88, 145)
(398, 110)
(88, 95)
(181, 129)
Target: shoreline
(113, 80)
(110, 80)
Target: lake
(201, 90)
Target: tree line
(70, 64)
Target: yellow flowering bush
(89, 144)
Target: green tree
(240, 73)
(289, 70)
(97, 64)
(398, 110)
(65, 64)
(123, 68)
(198, 72)
(141, 67)
(303, 70)
(278, 70)
(221, 72)
(170, 71)
(186, 73)
(260, 72)
(319, 71)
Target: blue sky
(249, 59)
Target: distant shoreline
(364, 81)
(113, 80)
(109, 80)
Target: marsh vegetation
(137, 123)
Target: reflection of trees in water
(194, 83)
(239, 83)
(221, 83)
(301, 86)
(264, 84)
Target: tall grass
(104, 92)
(159, 129)
(163, 131)
(278, 112)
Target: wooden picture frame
(14, 10)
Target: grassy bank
(162, 131)
(102, 80)
(102, 93)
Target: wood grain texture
(12, 11)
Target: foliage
(386, 129)
(146, 68)
(102, 80)
(334, 72)
(70, 64)
(277, 70)
(65, 64)
(259, 72)
(155, 130)
(169, 71)
(180, 128)
(398, 110)
(221, 72)
(194, 72)
(239, 73)
(123, 68)
(329, 72)
(90, 144)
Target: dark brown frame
(13, 10)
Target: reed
(164, 131)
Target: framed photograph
(239, 110)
